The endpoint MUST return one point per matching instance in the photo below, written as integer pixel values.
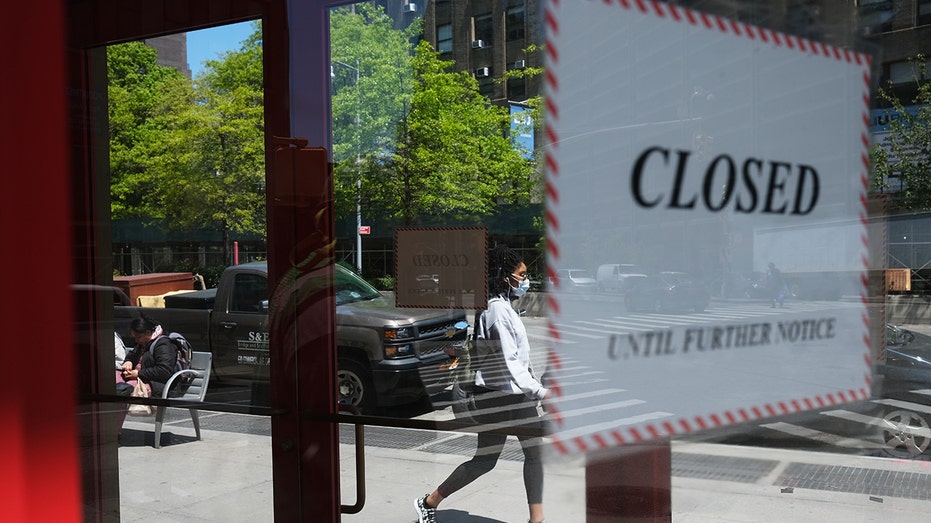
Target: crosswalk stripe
(730, 315)
(549, 339)
(635, 322)
(593, 394)
(565, 329)
(857, 417)
(823, 437)
(600, 407)
(621, 320)
(923, 432)
(608, 327)
(905, 405)
(574, 382)
(574, 373)
(613, 424)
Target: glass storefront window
(421, 172)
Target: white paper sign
(680, 142)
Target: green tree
(371, 76)
(137, 89)
(453, 156)
(421, 139)
(907, 151)
(188, 155)
(212, 161)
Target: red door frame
(298, 389)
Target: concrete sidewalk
(227, 477)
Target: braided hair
(502, 261)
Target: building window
(908, 71)
(517, 89)
(486, 86)
(514, 23)
(876, 16)
(924, 12)
(444, 38)
(484, 29)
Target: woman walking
(506, 391)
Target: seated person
(153, 358)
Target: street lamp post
(358, 173)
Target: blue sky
(207, 44)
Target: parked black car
(667, 292)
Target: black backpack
(184, 352)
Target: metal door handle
(360, 464)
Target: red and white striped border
(728, 417)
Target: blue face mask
(522, 287)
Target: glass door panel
(432, 169)
(183, 200)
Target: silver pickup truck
(386, 355)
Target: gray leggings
(509, 410)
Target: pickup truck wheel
(354, 386)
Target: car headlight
(398, 333)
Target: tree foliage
(422, 139)
(139, 89)
(371, 76)
(189, 155)
(453, 156)
(906, 153)
(419, 138)
(216, 175)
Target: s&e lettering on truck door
(257, 343)
(691, 135)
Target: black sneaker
(425, 513)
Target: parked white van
(616, 277)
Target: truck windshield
(351, 288)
